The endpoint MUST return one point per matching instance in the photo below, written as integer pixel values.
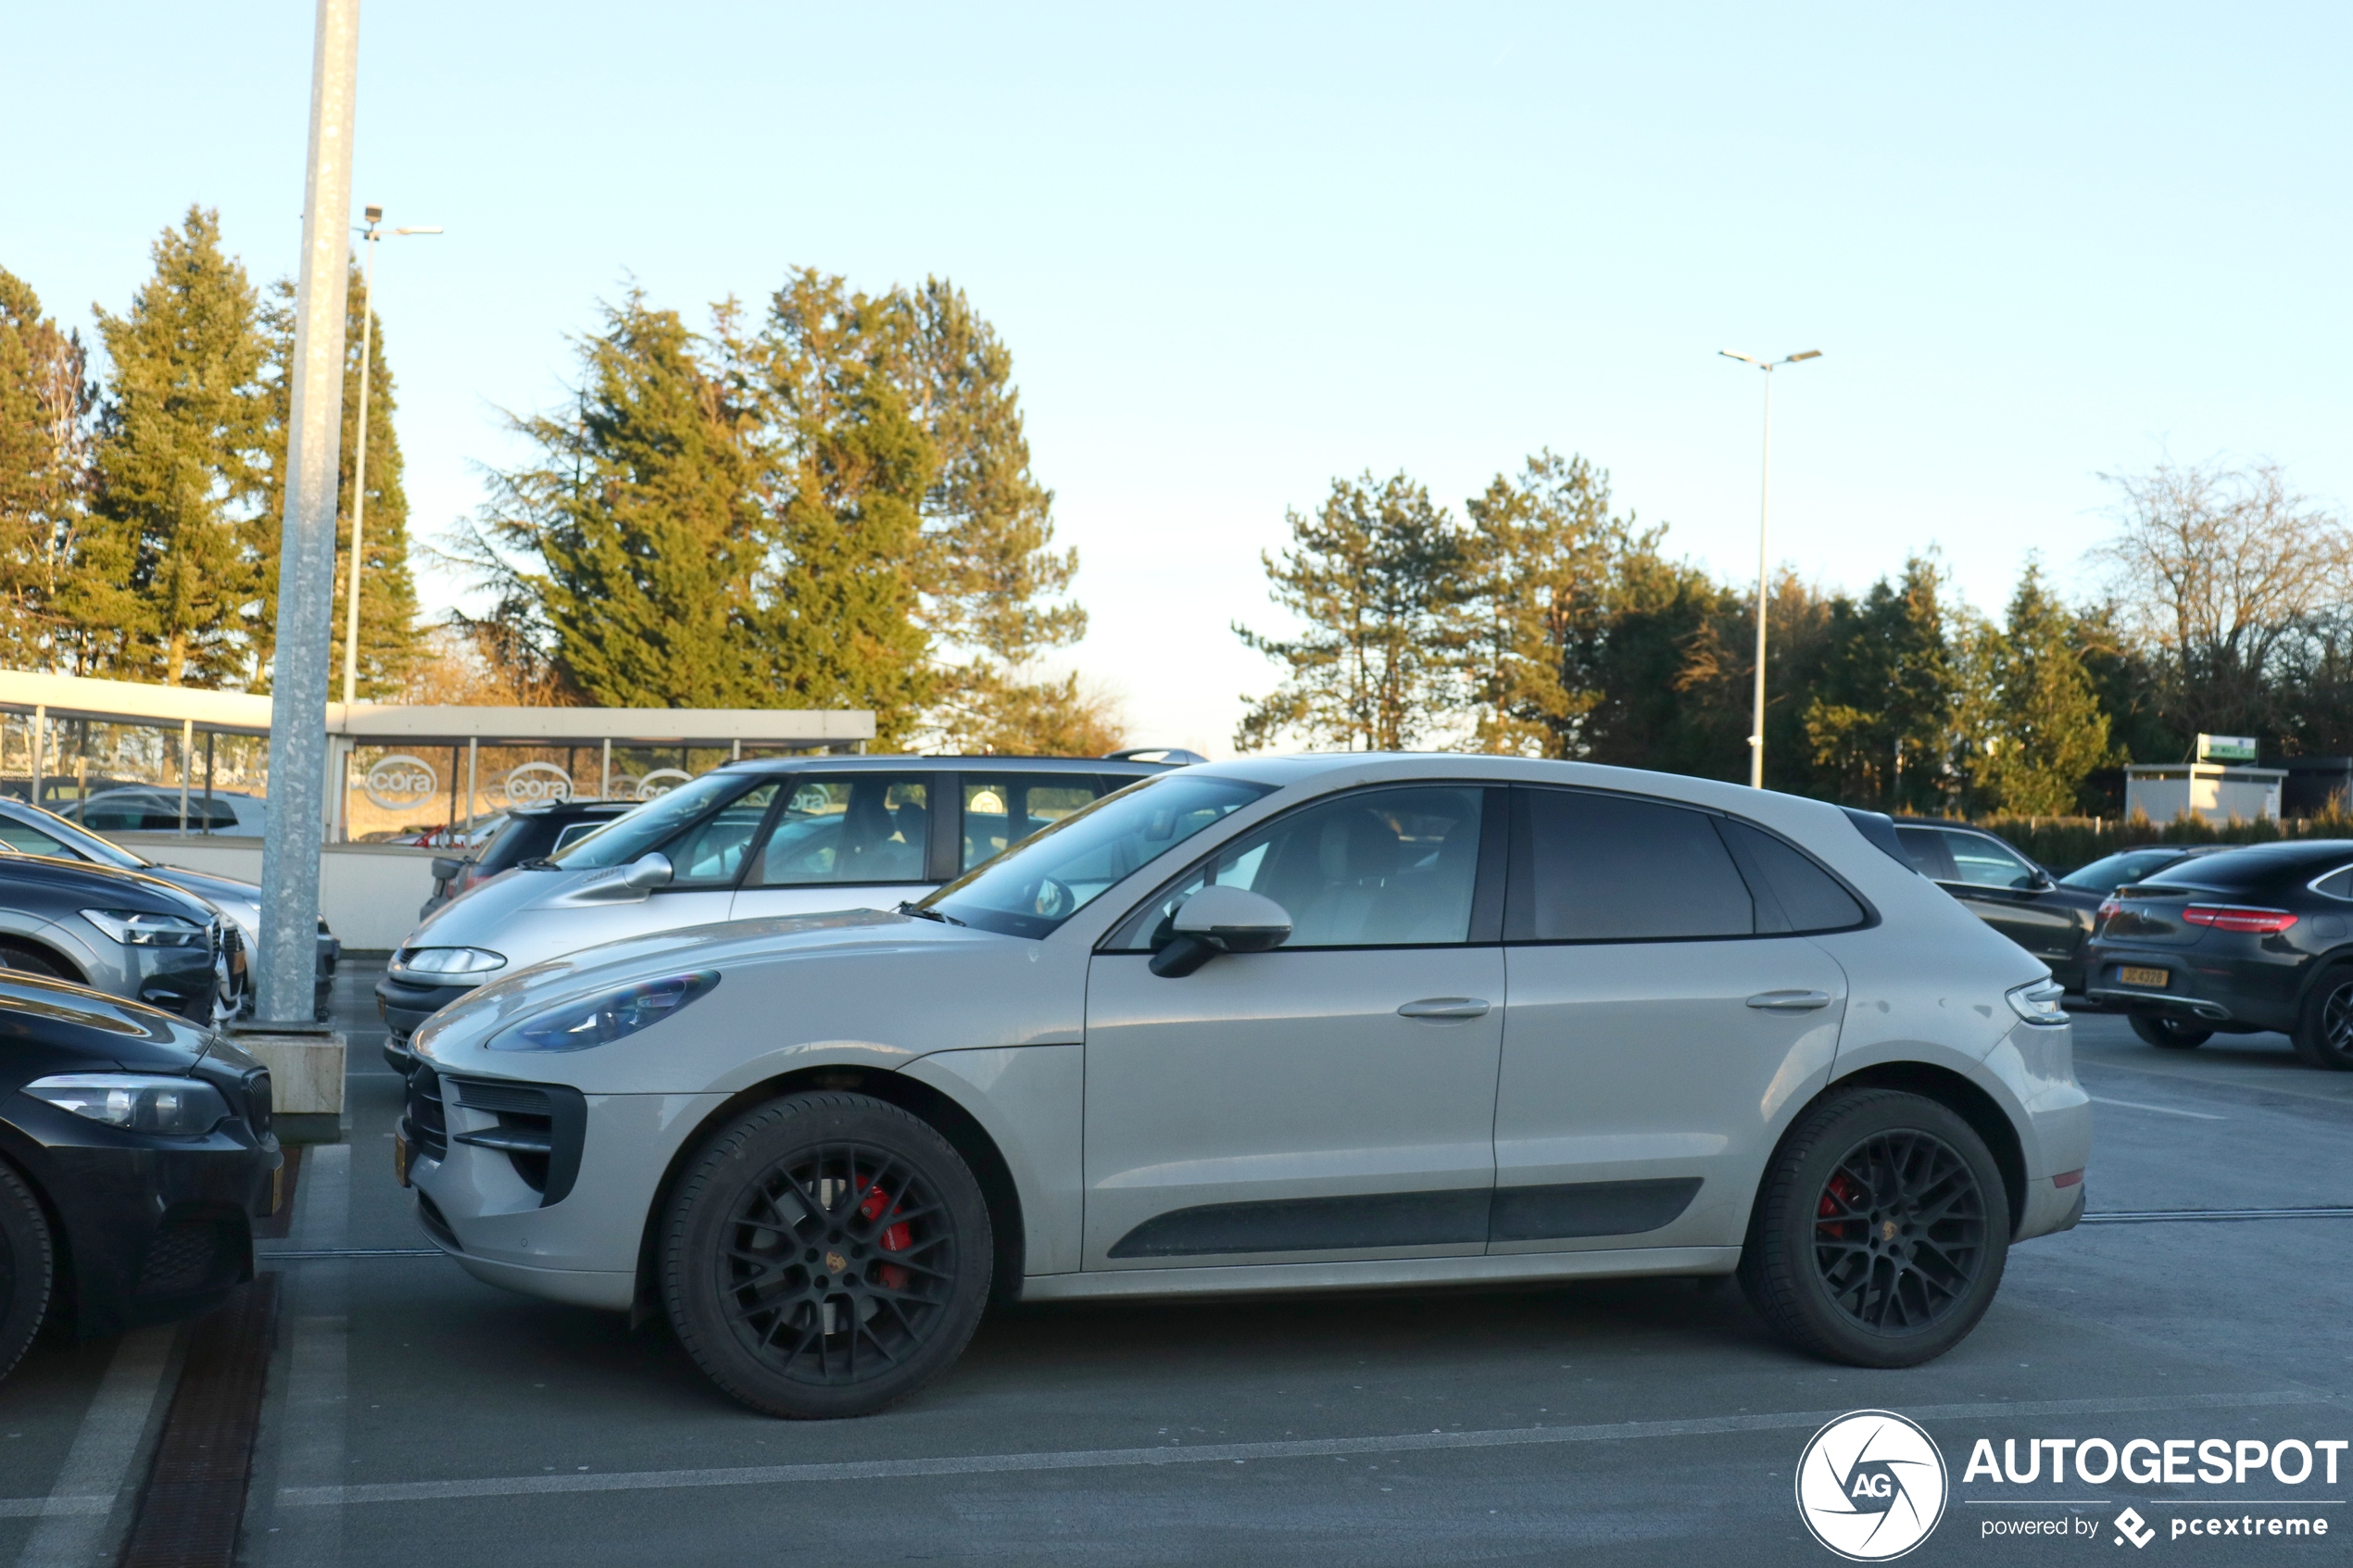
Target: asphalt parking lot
(414, 1416)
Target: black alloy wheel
(1880, 1232)
(2171, 1034)
(25, 960)
(2324, 1036)
(827, 1256)
(28, 1267)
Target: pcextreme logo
(1871, 1485)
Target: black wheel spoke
(1900, 1232)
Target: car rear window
(2251, 870)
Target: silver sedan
(1282, 1024)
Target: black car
(2007, 890)
(2256, 938)
(2110, 872)
(135, 1153)
(530, 832)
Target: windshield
(2111, 872)
(653, 824)
(36, 832)
(1035, 887)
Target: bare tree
(2220, 570)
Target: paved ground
(417, 1417)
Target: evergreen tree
(637, 528)
(2047, 731)
(390, 640)
(1539, 561)
(1881, 723)
(46, 402)
(164, 562)
(1376, 579)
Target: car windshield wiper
(921, 913)
(537, 863)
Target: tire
(2324, 1034)
(1883, 1288)
(892, 1237)
(2169, 1034)
(27, 1268)
(27, 960)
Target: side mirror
(1221, 920)
(2042, 880)
(647, 873)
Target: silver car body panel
(1116, 1096)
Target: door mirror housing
(1221, 920)
(2042, 881)
(648, 872)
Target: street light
(359, 460)
(1764, 508)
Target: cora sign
(398, 781)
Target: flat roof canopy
(367, 723)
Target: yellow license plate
(400, 1159)
(2137, 974)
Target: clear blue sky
(1238, 252)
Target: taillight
(2239, 917)
(2110, 907)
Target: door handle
(1789, 1001)
(1449, 1007)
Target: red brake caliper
(1842, 1190)
(895, 1238)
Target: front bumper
(154, 1229)
(406, 1004)
(2256, 990)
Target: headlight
(608, 1018)
(2038, 1001)
(452, 961)
(137, 928)
(135, 1101)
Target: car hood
(730, 948)
(48, 1026)
(80, 878)
(474, 917)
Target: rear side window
(1809, 898)
(1000, 809)
(1610, 868)
(1931, 856)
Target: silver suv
(1278, 1025)
(772, 836)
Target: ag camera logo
(1871, 1485)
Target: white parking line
(73, 1516)
(2160, 1109)
(317, 1410)
(1214, 1453)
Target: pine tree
(2046, 731)
(47, 403)
(164, 561)
(390, 640)
(638, 529)
(1376, 579)
(1540, 558)
(1881, 723)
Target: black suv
(530, 832)
(2001, 886)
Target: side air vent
(540, 1130)
(424, 1125)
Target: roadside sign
(2225, 749)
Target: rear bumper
(2247, 990)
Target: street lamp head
(435, 230)
(375, 214)
(1744, 358)
(1809, 354)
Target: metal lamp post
(359, 458)
(1764, 512)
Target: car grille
(540, 1130)
(425, 1125)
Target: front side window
(710, 853)
(1385, 868)
(32, 840)
(1979, 861)
(1000, 809)
(1611, 867)
(849, 828)
(1037, 886)
(653, 826)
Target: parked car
(155, 808)
(135, 1151)
(765, 836)
(123, 932)
(2256, 938)
(2001, 886)
(1287, 1023)
(30, 829)
(2110, 872)
(528, 832)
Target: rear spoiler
(1879, 828)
